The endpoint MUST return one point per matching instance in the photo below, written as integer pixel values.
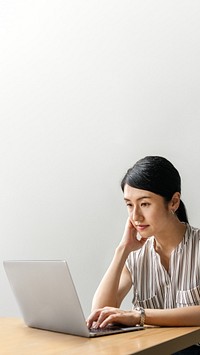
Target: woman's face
(148, 211)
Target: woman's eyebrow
(138, 199)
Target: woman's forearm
(108, 293)
(176, 317)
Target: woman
(158, 256)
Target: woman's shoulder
(193, 232)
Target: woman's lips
(141, 227)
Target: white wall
(86, 89)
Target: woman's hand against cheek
(129, 238)
(103, 317)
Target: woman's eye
(128, 205)
(145, 204)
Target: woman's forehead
(132, 192)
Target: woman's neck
(168, 241)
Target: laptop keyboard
(107, 329)
(99, 330)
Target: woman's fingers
(104, 316)
(93, 318)
(98, 316)
(122, 317)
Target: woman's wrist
(125, 248)
(142, 316)
(122, 250)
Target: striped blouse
(154, 287)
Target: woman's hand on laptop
(100, 318)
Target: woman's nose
(136, 215)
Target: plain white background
(86, 89)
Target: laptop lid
(47, 297)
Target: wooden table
(17, 339)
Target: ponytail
(182, 213)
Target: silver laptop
(47, 298)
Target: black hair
(158, 175)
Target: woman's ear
(175, 202)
